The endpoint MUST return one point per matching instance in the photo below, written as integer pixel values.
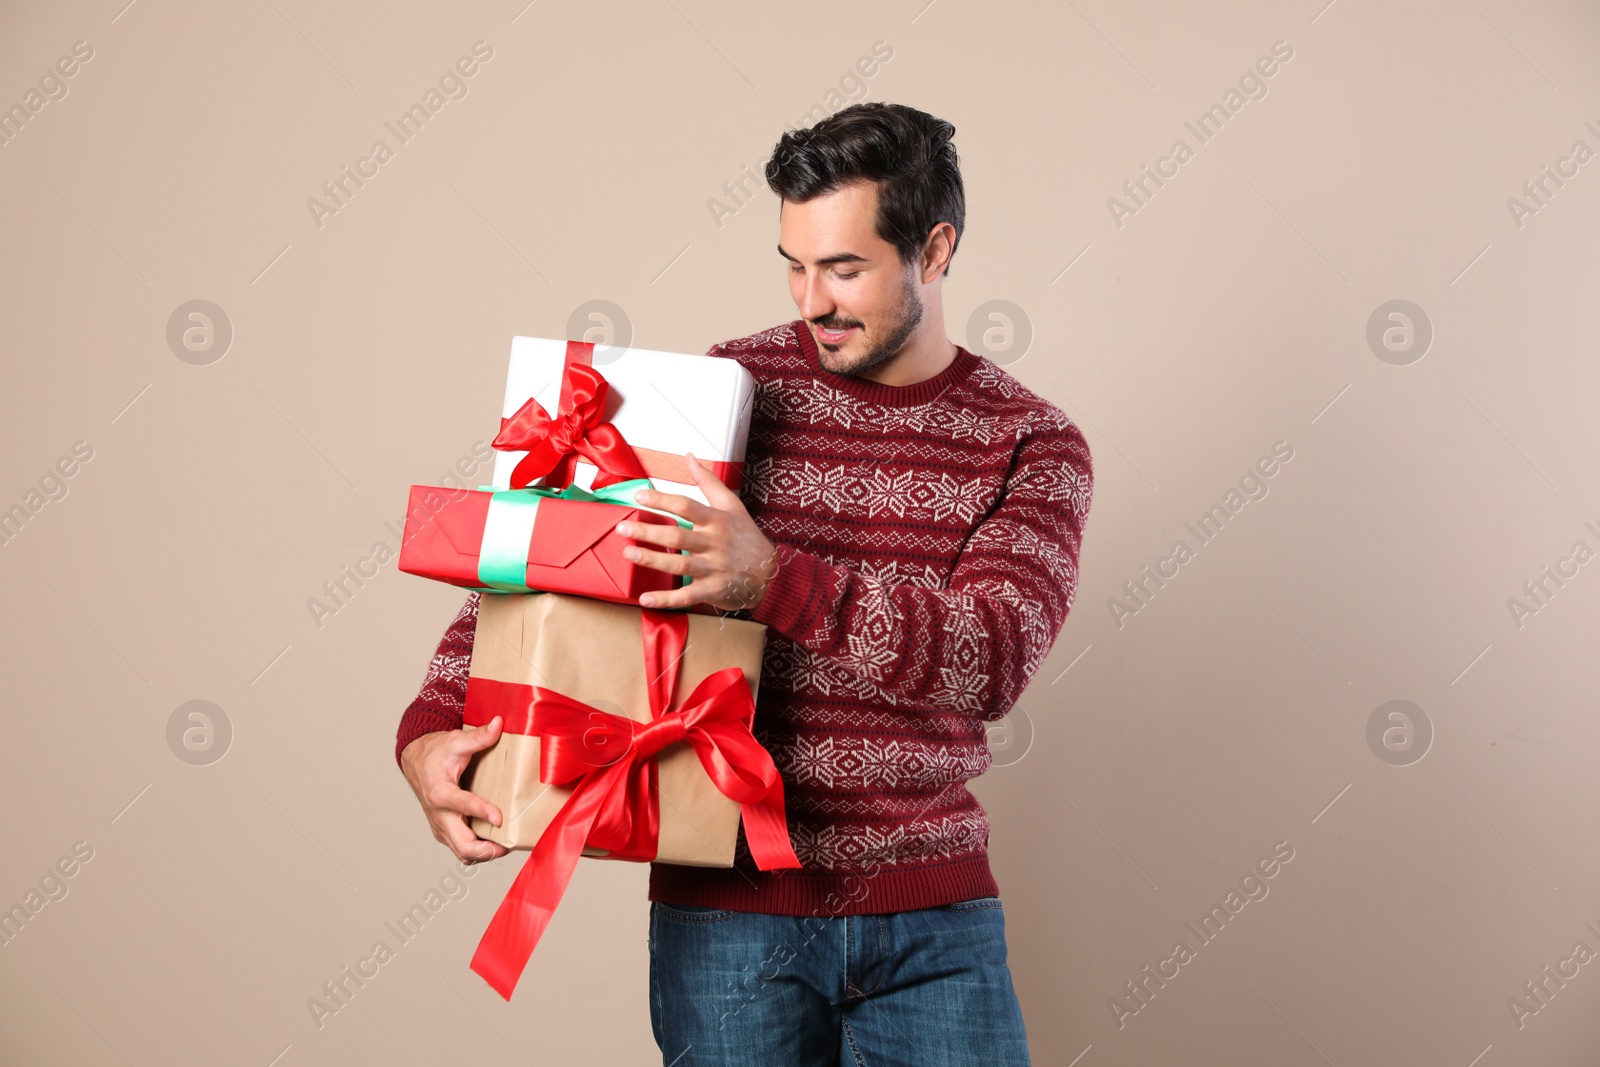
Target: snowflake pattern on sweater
(928, 540)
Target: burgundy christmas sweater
(927, 541)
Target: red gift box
(573, 548)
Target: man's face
(861, 303)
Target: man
(908, 530)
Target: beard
(908, 316)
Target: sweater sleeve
(444, 688)
(971, 647)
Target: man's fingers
(684, 506)
(466, 844)
(454, 798)
(716, 492)
(671, 536)
(671, 562)
(478, 738)
(682, 597)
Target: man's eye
(852, 274)
(796, 268)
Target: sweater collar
(878, 393)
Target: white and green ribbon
(508, 528)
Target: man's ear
(937, 250)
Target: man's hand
(433, 764)
(729, 558)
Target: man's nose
(814, 302)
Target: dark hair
(905, 151)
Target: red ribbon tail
(720, 709)
(766, 831)
(521, 919)
(529, 469)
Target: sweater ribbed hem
(825, 893)
(895, 396)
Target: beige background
(1167, 754)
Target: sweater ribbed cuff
(794, 596)
(421, 719)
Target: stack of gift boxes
(627, 730)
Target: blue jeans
(921, 988)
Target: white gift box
(662, 402)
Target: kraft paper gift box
(627, 736)
(593, 651)
(519, 540)
(664, 404)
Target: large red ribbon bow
(608, 761)
(578, 428)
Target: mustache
(831, 323)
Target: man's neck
(924, 356)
